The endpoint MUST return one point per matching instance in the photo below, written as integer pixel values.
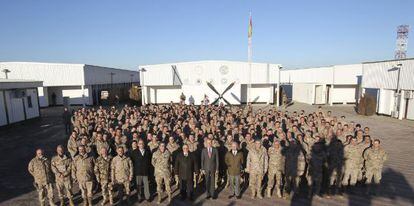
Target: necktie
(234, 153)
(209, 152)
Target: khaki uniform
(192, 146)
(172, 147)
(257, 164)
(162, 162)
(120, 144)
(72, 147)
(82, 171)
(375, 159)
(352, 156)
(101, 144)
(153, 146)
(103, 176)
(39, 168)
(276, 169)
(121, 173)
(61, 167)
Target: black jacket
(185, 166)
(141, 163)
(66, 116)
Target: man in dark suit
(185, 166)
(209, 167)
(141, 159)
(67, 117)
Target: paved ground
(20, 141)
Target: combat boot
(169, 197)
(71, 202)
(89, 201)
(269, 193)
(104, 201)
(259, 195)
(85, 202)
(42, 203)
(278, 193)
(111, 201)
(253, 195)
(62, 202)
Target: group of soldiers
(280, 151)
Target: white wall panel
(385, 74)
(322, 75)
(386, 102)
(43, 96)
(3, 116)
(260, 93)
(304, 93)
(31, 112)
(217, 72)
(102, 75)
(347, 74)
(50, 73)
(14, 107)
(410, 112)
(344, 94)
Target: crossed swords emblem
(220, 95)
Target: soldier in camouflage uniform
(374, 162)
(39, 168)
(153, 145)
(256, 166)
(122, 173)
(82, 171)
(276, 168)
(161, 160)
(352, 156)
(61, 167)
(103, 175)
(101, 143)
(73, 144)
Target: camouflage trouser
(106, 188)
(42, 190)
(350, 175)
(62, 187)
(121, 186)
(373, 173)
(272, 179)
(86, 189)
(255, 183)
(159, 180)
(361, 171)
(335, 177)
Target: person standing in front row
(234, 161)
(185, 166)
(141, 159)
(209, 167)
(39, 168)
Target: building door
(319, 94)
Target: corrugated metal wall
(3, 117)
(102, 75)
(51, 74)
(217, 72)
(385, 74)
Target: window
(29, 101)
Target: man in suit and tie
(184, 168)
(209, 167)
(141, 159)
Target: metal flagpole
(249, 57)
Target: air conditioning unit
(409, 95)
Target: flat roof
(389, 60)
(19, 84)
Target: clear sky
(128, 33)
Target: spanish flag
(250, 32)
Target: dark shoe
(214, 197)
(231, 196)
(208, 197)
(238, 197)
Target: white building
(323, 85)
(70, 84)
(18, 100)
(164, 83)
(382, 79)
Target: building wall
(304, 93)
(43, 96)
(261, 93)
(216, 72)
(32, 108)
(102, 75)
(385, 74)
(73, 92)
(3, 116)
(344, 94)
(50, 73)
